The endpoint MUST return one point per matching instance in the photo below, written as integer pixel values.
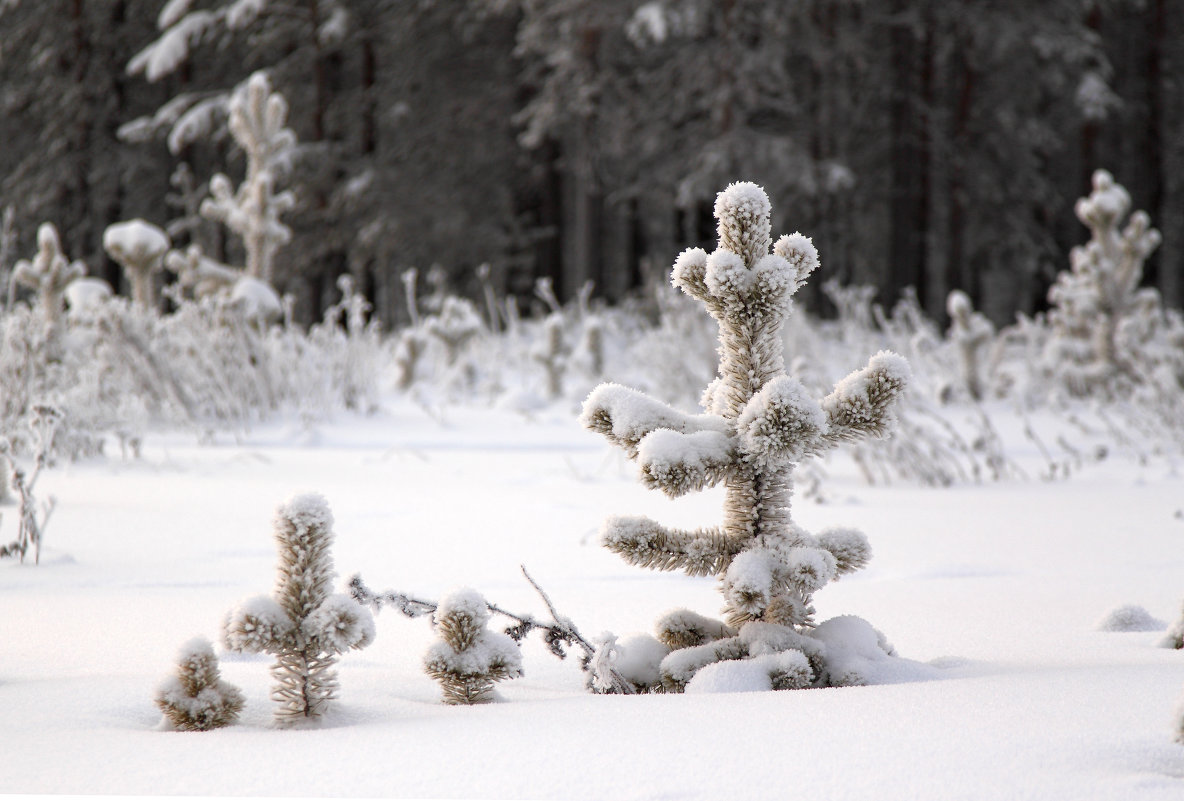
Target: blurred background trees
(931, 144)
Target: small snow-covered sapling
(197, 698)
(759, 424)
(468, 658)
(455, 325)
(258, 121)
(970, 332)
(139, 248)
(48, 274)
(303, 625)
(1099, 294)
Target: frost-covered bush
(197, 698)
(302, 625)
(1099, 315)
(468, 658)
(759, 423)
(139, 248)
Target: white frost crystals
(759, 424)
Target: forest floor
(998, 587)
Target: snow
(135, 241)
(1130, 618)
(990, 594)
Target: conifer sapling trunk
(759, 423)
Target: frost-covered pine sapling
(303, 625)
(468, 658)
(197, 698)
(48, 274)
(139, 248)
(1091, 300)
(257, 121)
(455, 326)
(551, 352)
(759, 423)
(412, 341)
(970, 332)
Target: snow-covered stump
(759, 424)
(468, 658)
(197, 698)
(303, 625)
(139, 248)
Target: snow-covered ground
(998, 588)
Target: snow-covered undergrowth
(993, 592)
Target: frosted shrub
(197, 699)
(468, 658)
(139, 248)
(1097, 303)
(758, 425)
(302, 625)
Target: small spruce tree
(759, 423)
(258, 121)
(304, 626)
(197, 699)
(1099, 296)
(468, 658)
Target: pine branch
(646, 543)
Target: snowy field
(997, 589)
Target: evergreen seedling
(468, 658)
(759, 423)
(197, 699)
(303, 625)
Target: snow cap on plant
(759, 423)
(139, 247)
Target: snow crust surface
(990, 594)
